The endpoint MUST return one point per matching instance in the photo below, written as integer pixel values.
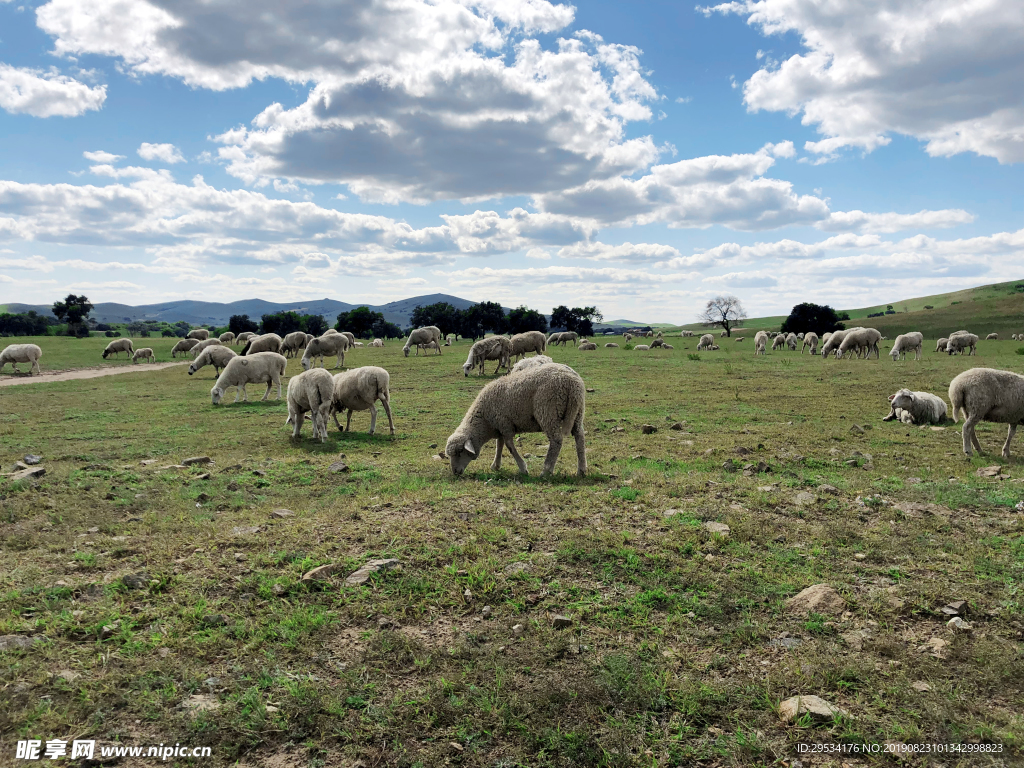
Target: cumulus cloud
(46, 93)
(859, 221)
(101, 157)
(167, 153)
(628, 252)
(943, 71)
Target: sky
(640, 157)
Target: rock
(590, 389)
(678, 426)
(518, 629)
(741, 451)
(829, 489)
(956, 608)
(259, 473)
(936, 646)
(201, 702)
(191, 460)
(487, 611)
(279, 589)
(69, 675)
(517, 567)
(320, 573)
(618, 429)
(163, 653)
(714, 527)
(282, 513)
(386, 622)
(785, 642)
(31, 459)
(18, 642)
(857, 429)
(729, 465)
(147, 462)
(28, 474)
(362, 575)
(913, 481)
(109, 630)
(920, 685)
(561, 622)
(338, 466)
(851, 462)
(245, 530)
(819, 709)
(467, 594)
(432, 445)
(20, 465)
(989, 471)
(232, 486)
(240, 557)
(959, 625)
(214, 620)
(860, 556)
(648, 429)
(818, 598)
(804, 499)
(135, 580)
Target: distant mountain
(214, 313)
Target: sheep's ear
(469, 447)
(891, 398)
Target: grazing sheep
(146, 353)
(940, 345)
(253, 368)
(423, 335)
(268, 342)
(203, 345)
(760, 342)
(826, 336)
(611, 344)
(493, 348)
(566, 336)
(21, 353)
(960, 341)
(547, 398)
(863, 341)
(779, 343)
(723, 334)
(810, 340)
(227, 337)
(217, 356)
(359, 390)
(117, 346)
(649, 335)
(801, 337)
(627, 337)
(243, 337)
(985, 394)
(310, 392)
(326, 345)
(531, 341)
(714, 348)
(587, 346)
(183, 346)
(907, 342)
(686, 334)
(657, 343)
(449, 339)
(532, 362)
(293, 342)
(309, 338)
(424, 348)
(352, 337)
(791, 341)
(199, 333)
(705, 342)
(641, 348)
(831, 344)
(916, 408)
(739, 338)
(377, 343)
(553, 338)
(992, 337)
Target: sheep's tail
(958, 396)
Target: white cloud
(104, 158)
(46, 93)
(538, 253)
(638, 253)
(859, 221)
(944, 71)
(167, 153)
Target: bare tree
(724, 311)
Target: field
(169, 605)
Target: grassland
(173, 609)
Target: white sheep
(531, 362)
(830, 342)
(641, 347)
(326, 345)
(268, 342)
(227, 337)
(330, 331)
(199, 333)
(940, 345)
(760, 342)
(825, 337)
(183, 346)
(566, 336)
(810, 340)
(686, 334)
(530, 341)
(205, 344)
(377, 343)
(360, 344)
(706, 342)
(612, 345)
(587, 346)
(423, 336)
(960, 341)
(117, 346)
(862, 341)
(243, 337)
(907, 342)
(779, 342)
(351, 337)
(626, 338)
(667, 346)
(449, 339)
(801, 337)
(145, 353)
(293, 343)
(791, 341)
(985, 394)
(714, 348)
(253, 368)
(992, 337)
(217, 356)
(310, 392)
(359, 390)
(547, 398)
(21, 353)
(916, 408)
(492, 348)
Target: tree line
(490, 317)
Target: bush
(877, 314)
(953, 302)
(693, 356)
(928, 306)
(1020, 350)
(167, 333)
(111, 334)
(808, 317)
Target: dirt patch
(84, 373)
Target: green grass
(669, 660)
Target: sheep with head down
(183, 346)
(810, 340)
(293, 343)
(227, 337)
(760, 342)
(706, 342)
(254, 368)
(359, 390)
(421, 337)
(907, 342)
(531, 341)
(146, 353)
(310, 392)
(218, 356)
(205, 344)
(940, 345)
(326, 346)
(492, 348)
(862, 341)
(268, 342)
(21, 353)
(202, 334)
(117, 346)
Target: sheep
(611, 345)
(203, 345)
(293, 342)
(217, 356)
(649, 335)
(309, 338)
(686, 334)
(825, 337)
(907, 342)
(723, 334)
(641, 347)
(801, 337)
(199, 333)
(567, 336)
(377, 343)
(705, 341)
(532, 362)
(656, 343)
(992, 337)
(423, 336)
(360, 344)
(985, 394)
(358, 390)
(714, 348)
(268, 342)
(960, 341)
(940, 345)
(492, 348)
(740, 338)
(548, 398)
(183, 346)
(779, 343)
(243, 337)
(760, 342)
(861, 340)
(352, 337)
(831, 344)
(531, 341)
(587, 346)
(449, 339)
(810, 340)
(326, 345)
(227, 337)
(21, 353)
(791, 342)
(253, 368)
(667, 346)
(117, 346)
(659, 335)
(424, 348)
(916, 408)
(310, 392)
(553, 338)
(145, 353)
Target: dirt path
(82, 373)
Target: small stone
(259, 473)
(109, 630)
(362, 575)
(486, 611)
(282, 513)
(590, 389)
(386, 622)
(94, 529)
(959, 625)
(17, 642)
(860, 556)
(201, 702)
(920, 685)
(147, 462)
(204, 476)
(467, 594)
(279, 589)
(245, 530)
(936, 646)
(69, 675)
(135, 581)
(31, 459)
(338, 466)
(857, 429)
(29, 474)
(714, 527)
(240, 557)
(805, 499)
(793, 708)
(830, 489)
(818, 598)
(956, 608)
(214, 620)
(729, 465)
(708, 558)
(678, 426)
(163, 653)
(517, 567)
(77, 615)
(741, 451)
(785, 642)
(196, 460)
(518, 629)
(561, 622)
(456, 746)
(648, 429)
(432, 445)
(989, 471)
(913, 481)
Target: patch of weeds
(626, 493)
(632, 684)
(694, 357)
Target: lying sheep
(253, 368)
(145, 353)
(310, 392)
(667, 346)
(810, 340)
(183, 346)
(760, 342)
(424, 348)
(423, 335)
(268, 342)
(493, 348)
(940, 345)
(360, 344)
(992, 337)
(779, 343)
(227, 337)
(587, 346)
(985, 394)
(204, 345)
(117, 346)
(293, 343)
(960, 341)
(641, 347)
(531, 341)
(907, 342)
(217, 356)
(705, 341)
(740, 338)
(531, 362)
(377, 343)
(916, 408)
(862, 341)
(243, 337)
(714, 348)
(200, 334)
(547, 398)
(21, 353)
(359, 390)
(326, 345)
(611, 345)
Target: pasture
(172, 605)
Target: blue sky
(640, 157)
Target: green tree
(314, 324)
(523, 319)
(73, 311)
(579, 319)
(442, 314)
(382, 329)
(816, 318)
(29, 324)
(359, 322)
(281, 323)
(241, 324)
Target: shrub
(1020, 350)
(929, 306)
(953, 302)
(693, 356)
(111, 334)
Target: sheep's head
(192, 368)
(460, 451)
(466, 368)
(406, 350)
(306, 362)
(894, 353)
(216, 394)
(105, 353)
(903, 399)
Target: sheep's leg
(348, 421)
(554, 448)
(245, 395)
(337, 422)
(581, 447)
(1009, 436)
(969, 435)
(373, 419)
(520, 461)
(891, 416)
(387, 410)
(496, 464)
(297, 418)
